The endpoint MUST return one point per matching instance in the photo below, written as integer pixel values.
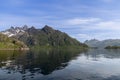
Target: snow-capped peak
(13, 31)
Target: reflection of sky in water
(99, 67)
(104, 67)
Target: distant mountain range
(102, 44)
(47, 36)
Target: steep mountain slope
(10, 43)
(103, 44)
(47, 36)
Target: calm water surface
(94, 64)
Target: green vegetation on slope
(10, 43)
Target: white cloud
(82, 37)
(113, 25)
(99, 29)
(78, 21)
(100, 36)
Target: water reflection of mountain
(36, 62)
(97, 53)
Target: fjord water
(93, 64)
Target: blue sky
(81, 19)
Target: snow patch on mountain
(14, 31)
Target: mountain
(7, 43)
(47, 36)
(103, 44)
(92, 42)
(15, 31)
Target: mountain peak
(11, 27)
(47, 29)
(14, 31)
(33, 27)
(25, 27)
(94, 40)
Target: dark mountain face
(46, 36)
(47, 29)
